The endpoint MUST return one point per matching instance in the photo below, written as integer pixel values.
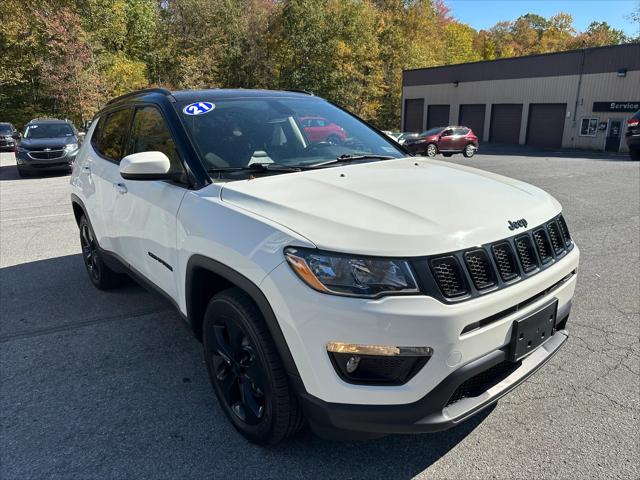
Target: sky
(486, 13)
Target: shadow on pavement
(527, 151)
(111, 385)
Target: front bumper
(25, 162)
(434, 411)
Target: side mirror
(145, 166)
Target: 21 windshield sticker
(198, 108)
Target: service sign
(616, 106)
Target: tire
(432, 150)
(334, 140)
(469, 151)
(447, 154)
(246, 371)
(102, 277)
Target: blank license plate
(532, 331)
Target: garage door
(472, 116)
(437, 116)
(413, 111)
(546, 124)
(505, 122)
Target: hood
(404, 207)
(42, 143)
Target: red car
(319, 129)
(445, 140)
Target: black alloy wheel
(90, 253)
(238, 372)
(246, 371)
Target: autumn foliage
(66, 58)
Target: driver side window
(149, 132)
(447, 133)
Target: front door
(614, 134)
(146, 210)
(446, 141)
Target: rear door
(146, 210)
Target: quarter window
(112, 133)
(150, 133)
(588, 127)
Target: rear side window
(112, 133)
(461, 131)
(149, 133)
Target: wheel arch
(78, 208)
(205, 277)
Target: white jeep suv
(333, 280)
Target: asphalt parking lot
(111, 385)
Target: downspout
(575, 107)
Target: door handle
(120, 187)
(86, 169)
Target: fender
(232, 276)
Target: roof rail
(40, 119)
(163, 91)
(306, 92)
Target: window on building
(588, 127)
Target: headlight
(70, 147)
(351, 275)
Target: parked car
(9, 137)
(632, 136)
(319, 129)
(445, 140)
(404, 136)
(347, 286)
(47, 145)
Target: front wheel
(246, 372)
(469, 151)
(432, 150)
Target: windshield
(433, 131)
(48, 130)
(292, 132)
(5, 130)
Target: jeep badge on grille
(517, 224)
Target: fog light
(377, 364)
(352, 364)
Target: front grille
(526, 254)
(483, 381)
(564, 230)
(42, 155)
(448, 274)
(505, 260)
(468, 273)
(542, 245)
(480, 269)
(556, 237)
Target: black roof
(208, 94)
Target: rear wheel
(334, 140)
(247, 374)
(100, 274)
(432, 150)
(469, 151)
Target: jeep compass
(342, 285)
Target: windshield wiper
(351, 158)
(257, 168)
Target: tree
(599, 34)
